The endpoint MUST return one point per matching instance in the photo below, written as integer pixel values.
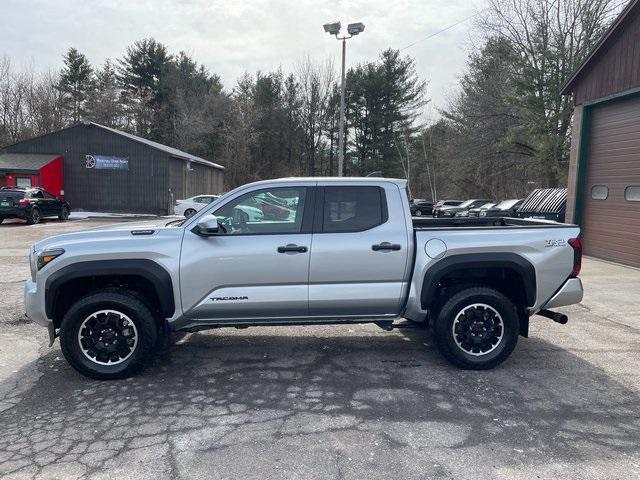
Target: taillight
(24, 201)
(576, 244)
(178, 202)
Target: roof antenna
(377, 173)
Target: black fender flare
(464, 261)
(150, 270)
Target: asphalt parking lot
(350, 402)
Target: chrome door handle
(385, 246)
(292, 247)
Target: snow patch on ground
(79, 215)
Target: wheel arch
(485, 268)
(150, 274)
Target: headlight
(483, 214)
(464, 213)
(47, 256)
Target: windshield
(466, 204)
(506, 204)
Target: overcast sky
(231, 37)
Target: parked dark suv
(31, 204)
(420, 207)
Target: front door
(258, 266)
(359, 262)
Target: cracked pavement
(323, 402)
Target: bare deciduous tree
(549, 38)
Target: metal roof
(567, 88)
(16, 162)
(545, 200)
(174, 152)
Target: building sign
(101, 162)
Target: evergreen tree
(140, 74)
(385, 99)
(76, 83)
(103, 104)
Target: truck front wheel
(108, 335)
(477, 328)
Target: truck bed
(487, 222)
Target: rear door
(39, 201)
(359, 251)
(52, 205)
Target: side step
(557, 317)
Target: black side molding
(150, 270)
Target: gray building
(108, 170)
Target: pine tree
(76, 84)
(140, 74)
(103, 104)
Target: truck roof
(401, 182)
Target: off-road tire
(122, 301)
(444, 335)
(34, 216)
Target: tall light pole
(353, 29)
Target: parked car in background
(420, 207)
(545, 203)
(444, 203)
(189, 206)
(451, 211)
(31, 204)
(475, 212)
(506, 208)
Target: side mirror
(207, 227)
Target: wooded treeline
(504, 132)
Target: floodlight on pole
(353, 29)
(332, 28)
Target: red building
(32, 170)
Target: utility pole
(343, 88)
(334, 29)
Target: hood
(116, 231)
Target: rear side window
(12, 195)
(353, 209)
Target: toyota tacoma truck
(316, 251)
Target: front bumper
(569, 294)
(34, 304)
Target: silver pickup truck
(301, 251)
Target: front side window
(352, 209)
(599, 192)
(267, 211)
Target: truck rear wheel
(108, 335)
(477, 328)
